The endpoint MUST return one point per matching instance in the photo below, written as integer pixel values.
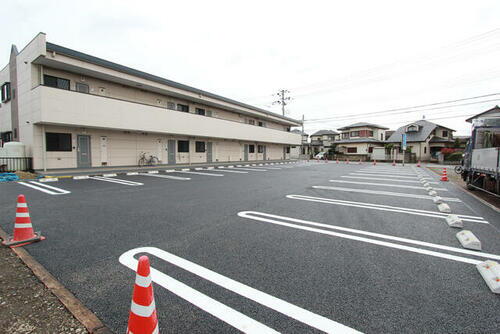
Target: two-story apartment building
(424, 139)
(323, 140)
(74, 110)
(359, 139)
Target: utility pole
(282, 99)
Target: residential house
(424, 139)
(323, 140)
(74, 110)
(302, 151)
(493, 112)
(359, 139)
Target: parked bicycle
(151, 161)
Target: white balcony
(68, 108)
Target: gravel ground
(26, 305)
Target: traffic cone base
(23, 230)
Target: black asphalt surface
(368, 287)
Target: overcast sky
(341, 60)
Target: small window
(261, 123)
(412, 128)
(183, 146)
(370, 133)
(182, 107)
(82, 88)
(288, 149)
(6, 92)
(445, 134)
(354, 133)
(58, 142)
(171, 105)
(382, 136)
(56, 82)
(251, 148)
(260, 148)
(200, 111)
(425, 149)
(251, 122)
(345, 135)
(200, 146)
(352, 150)
(288, 129)
(370, 149)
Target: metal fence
(9, 164)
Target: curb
(85, 316)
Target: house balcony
(68, 108)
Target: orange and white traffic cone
(444, 176)
(142, 318)
(418, 163)
(23, 230)
(347, 161)
(394, 162)
(337, 161)
(374, 162)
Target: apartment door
(171, 151)
(83, 151)
(265, 152)
(245, 152)
(209, 152)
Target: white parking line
(385, 193)
(251, 215)
(234, 171)
(167, 176)
(388, 208)
(252, 169)
(221, 311)
(385, 185)
(384, 179)
(394, 176)
(45, 188)
(270, 167)
(389, 173)
(199, 173)
(119, 181)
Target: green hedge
(456, 156)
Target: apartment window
(183, 146)
(370, 149)
(182, 107)
(260, 148)
(56, 82)
(200, 111)
(5, 137)
(261, 123)
(6, 92)
(352, 150)
(251, 122)
(345, 135)
(288, 149)
(251, 148)
(445, 134)
(425, 149)
(58, 142)
(354, 133)
(171, 105)
(382, 136)
(200, 146)
(370, 133)
(288, 129)
(82, 88)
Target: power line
(405, 109)
(282, 99)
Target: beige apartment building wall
(228, 150)
(5, 113)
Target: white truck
(481, 163)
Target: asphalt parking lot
(292, 248)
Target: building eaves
(362, 124)
(127, 70)
(358, 140)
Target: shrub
(456, 156)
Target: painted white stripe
(234, 171)
(109, 175)
(384, 179)
(393, 176)
(82, 177)
(22, 205)
(119, 181)
(385, 193)
(169, 170)
(153, 172)
(384, 185)
(141, 310)
(198, 168)
(388, 208)
(49, 179)
(22, 214)
(41, 189)
(62, 191)
(142, 281)
(167, 176)
(268, 167)
(185, 169)
(389, 173)
(23, 225)
(251, 215)
(200, 173)
(133, 173)
(248, 214)
(288, 309)
(252, 169)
